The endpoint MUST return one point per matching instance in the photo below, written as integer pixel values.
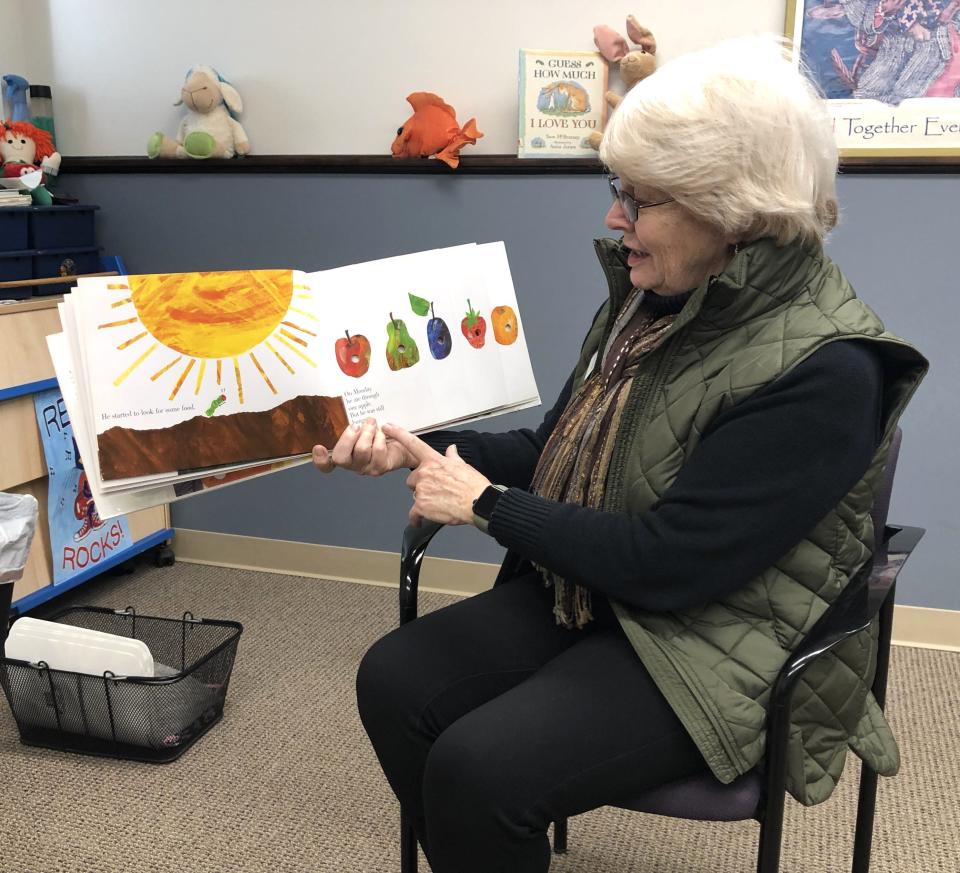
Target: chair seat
(702, 797)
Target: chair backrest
(881, 504)
(6, 598)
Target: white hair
(735, 134)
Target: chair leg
(408, 845)
(560, 837)
(866, 804)
(771, 837)
(867, 801)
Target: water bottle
(41, 109)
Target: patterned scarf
(575, 460)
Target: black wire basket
(152, 719)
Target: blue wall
(893, 243)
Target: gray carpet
(286, 783)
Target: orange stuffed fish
(433, 131)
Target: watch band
(484, 505)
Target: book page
(412, 337)
(66, 310)
(195, 370)
(521, 385)
(111, 505)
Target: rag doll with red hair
(25, 149)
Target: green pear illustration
(401, 349)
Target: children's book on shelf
(178, 383)
(560, 102)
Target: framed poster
(890, 70)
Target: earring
(736, 249)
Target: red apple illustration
(474, 327)
(353, 354)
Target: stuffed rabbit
(635, 64)
(209, 129)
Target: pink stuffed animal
(635, 64)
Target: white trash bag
(18, 521)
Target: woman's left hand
(444, 486)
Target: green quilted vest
(716, 663)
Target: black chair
(759, 794)
(6, 598)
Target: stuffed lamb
(209, 129)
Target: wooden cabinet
(25, 368)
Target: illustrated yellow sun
(202, 317)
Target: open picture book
(178, 383)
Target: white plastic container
(77, 649)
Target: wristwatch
(484, 505)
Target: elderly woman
(696, 497)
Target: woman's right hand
(365, 449)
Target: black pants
(490, 721)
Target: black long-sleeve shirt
(765, 472)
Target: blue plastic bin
(13, 266)
(63, 262)
(61, 227)
(13, 228)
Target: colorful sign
(890, 72)
(79, 538)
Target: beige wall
(325, 77)
(25, 35)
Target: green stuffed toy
(210, 128)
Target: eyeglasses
(630, 206)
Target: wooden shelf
(26, 368)
(508, 165)
(938, 164)
(470, 165)
(24, 358)
(70, 278)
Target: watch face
(484, 504)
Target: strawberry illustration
(474, 327)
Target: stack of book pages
(177, 383)
(13, 197)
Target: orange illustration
(224, 316)
(504, 321)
